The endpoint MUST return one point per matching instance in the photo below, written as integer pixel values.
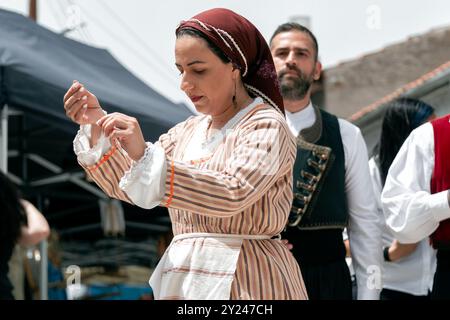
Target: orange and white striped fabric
(244, 188)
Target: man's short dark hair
(290, 26)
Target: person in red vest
(416, 196)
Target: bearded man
(332, 185)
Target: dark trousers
(327, 281)
(441, 284)
(388, 294)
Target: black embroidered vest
(319, 176)
(319, 211)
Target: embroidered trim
(204, 25)
(138, 167)
(201, 160)
(200, 23)
(105, 158)
(239, 49)
(217, 31)
(172, 174)
(84, 152)
(211, 142)
(257, 92)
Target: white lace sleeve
(85, 154)
(145, 181)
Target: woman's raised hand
(81, 105)
(83, 108)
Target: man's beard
(295, 88)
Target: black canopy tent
(36, 68)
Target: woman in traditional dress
(225, 175)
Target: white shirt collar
(300, 120)
(196, 150)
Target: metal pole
(23, 149)
(43, 247)
(4, 140)
(32, 10)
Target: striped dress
(244, 187)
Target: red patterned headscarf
(244, 45)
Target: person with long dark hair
(402, 116)
(407, 268)
(416, 196)
(20, 223)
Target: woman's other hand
(125, 130)
(399, 250)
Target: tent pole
(32, 10)
(22, 149)
(4, 140)
(43, 247)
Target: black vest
(320, 204)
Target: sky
(141, 34)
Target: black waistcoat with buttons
(319, 177)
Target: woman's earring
(234, 96)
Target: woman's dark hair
(197, 34)
(402, 116)
(12, 213)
